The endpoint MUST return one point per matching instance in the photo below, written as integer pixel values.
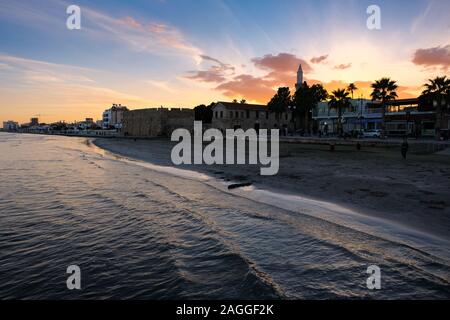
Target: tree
(280, 101)
(384, 91)
(437, 92)
(352, 88)
(339, 100)
(204, 113)
(243, 101)
(235, 101)
(306, 99)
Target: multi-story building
(401, 116)
(156, 122)
(361, 115)
(113, 117)
(10, 125)
(409, 116)
(228, 115)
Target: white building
(10, 125)
(362, 114)
(113, 117)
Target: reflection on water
(139, 232)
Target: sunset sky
(180, 53)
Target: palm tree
(384, 91)
(352, 88)
(437, 92)
(339, 100)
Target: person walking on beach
(404, 148)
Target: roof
(242, 106)
(400, 102)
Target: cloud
(281, 71)
(317, 60)
(150, 36)
(283, 62)
(248, 87)
(216, 73)
(343, 66)
(433, 57)
(161, 85)
(30, 71)
(130, 22)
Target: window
(248, 114)
(257, 114)
(221, 114)
(231, 114)
(267, 114)
(216, 115)
(237, 114)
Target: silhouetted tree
(384, 91)
(437, 92)
(204, 113)
(280, 101)
(339, 100)
(352, 88)
(306, 99)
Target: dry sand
(374, 181)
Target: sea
(141, 231)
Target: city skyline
(181, 53)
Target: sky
(182, 53)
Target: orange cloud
(283, 62)
(343, 66)
(433, 57)
(248, 87)
(282, 71)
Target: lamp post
(408, 113)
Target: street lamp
(408, 113)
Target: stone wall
(157, 122)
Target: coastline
(374, 182)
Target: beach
(376, 182)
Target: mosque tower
(299, 77)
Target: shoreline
(393, 194)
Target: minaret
(299, 77)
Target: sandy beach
(374, 181)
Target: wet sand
(374, 181)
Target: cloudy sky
(187, 52)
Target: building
(411, 117)
(156, 122)
(362, 114)
(113, 117)
(34, 122)
(401, 116)
(10, 125)
(88, 123)
(299, 83)
(228, 115)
